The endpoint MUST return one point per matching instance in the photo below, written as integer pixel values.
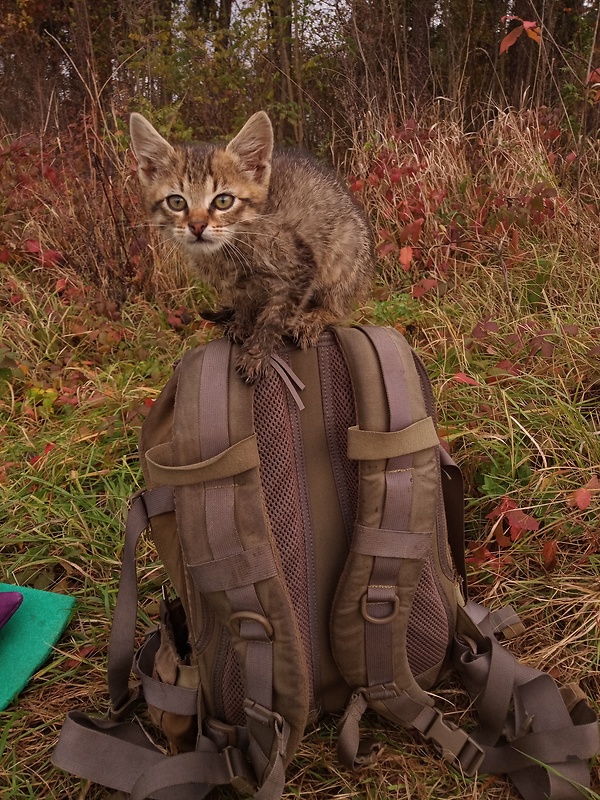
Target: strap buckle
(454, 744)
(264, 715)
(240, 775)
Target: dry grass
(78, 367)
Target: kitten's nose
(197, 228)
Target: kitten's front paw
(305, 333)
(253, 365)
(238, 331)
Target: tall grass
(500, 298)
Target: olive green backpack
(311, 528)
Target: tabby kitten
(273, 233)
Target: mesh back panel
(281, 494)
(282, 501)
(427, 635)
(233, 690)
(340, 396)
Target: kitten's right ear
(254, 146)
(153, 153)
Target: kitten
(274, 234)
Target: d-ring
(380, 620)
(254, 617)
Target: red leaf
(520, 521)
(47, 449)
(33, 246)
(51, 175)
(511, 38)
(423, 286)
(532, 30)
(549, 554)
(581, 498)
(3, 255)
(79, 656)
(50, 258)
(481, 330)
(175, 321)
(571, 330)
(503, 541)
(506, 504)
(412, 231)
(461, 377)
(571, 157)
(593, 485)
(479, 554)
(406, 254)
(386, 248)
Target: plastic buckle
(239, 771)
(264, 715)
(455, 745)
(384, 691)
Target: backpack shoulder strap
(400, 525)
(229, 551)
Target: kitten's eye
(223, 201)
(176, 202)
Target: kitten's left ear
(254, 146)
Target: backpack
(311, 527)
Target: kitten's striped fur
(277, 236)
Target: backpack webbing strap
(119, 754)
(454, 744)
(122, 637)
(530, 729)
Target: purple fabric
(9, 602)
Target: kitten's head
(202, 194)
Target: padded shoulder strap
(400, 522)
(229, 551)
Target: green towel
(28, 637)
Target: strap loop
(374, 445)
(238, 458)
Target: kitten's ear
(153, 153)
(254, 146)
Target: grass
(517, 316)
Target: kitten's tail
(221, 316)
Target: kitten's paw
(253, 365)
(238, 331)
(305, 333)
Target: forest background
(469, 132)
